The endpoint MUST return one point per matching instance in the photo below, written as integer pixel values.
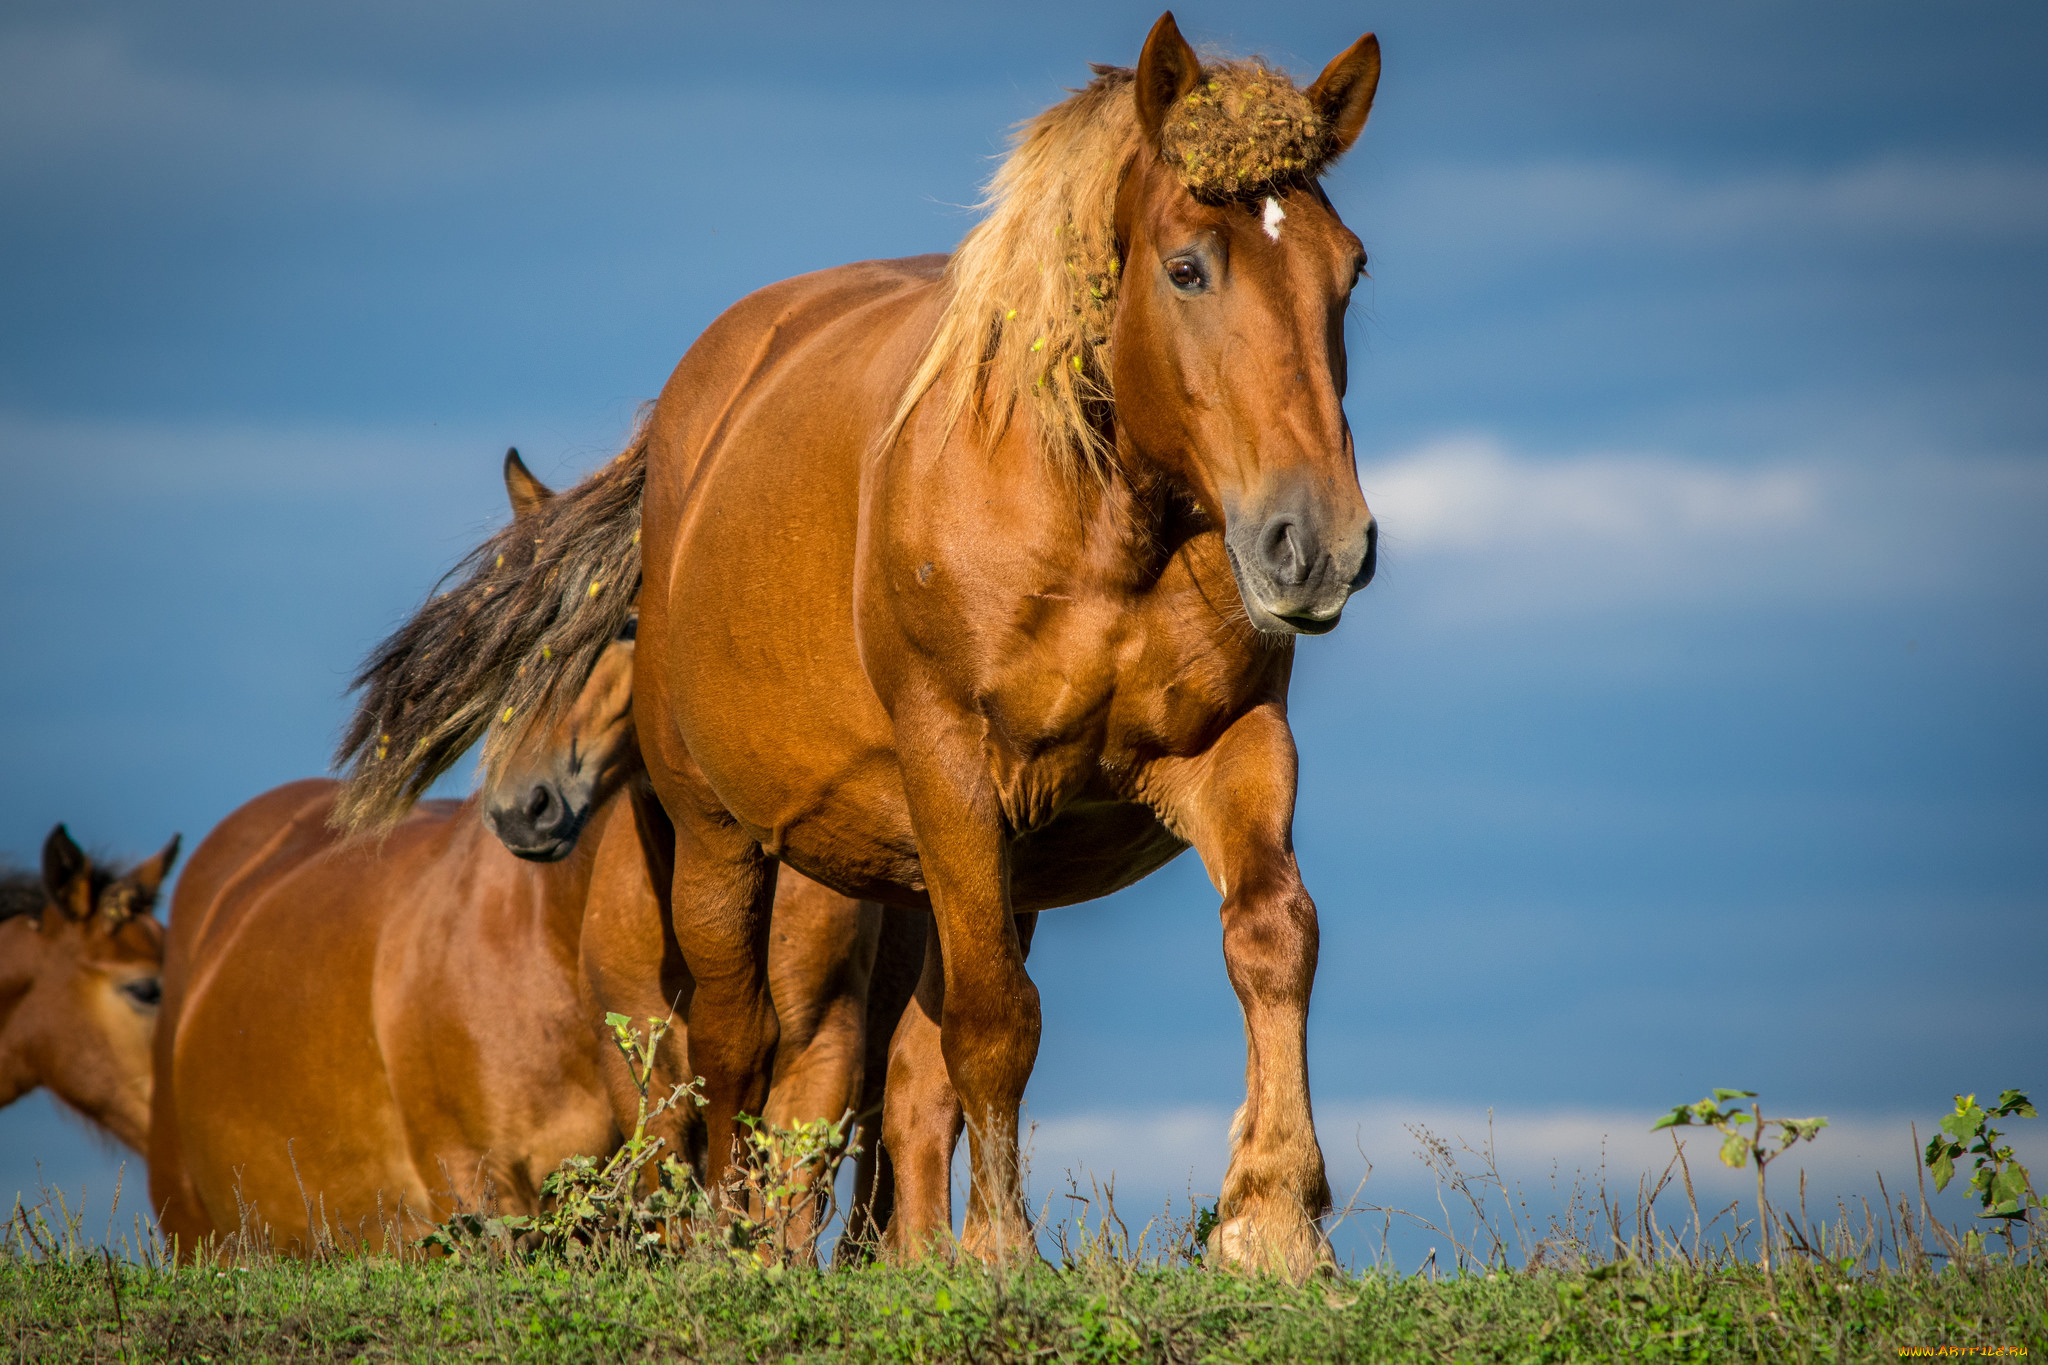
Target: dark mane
(531, 610)
(21, 893)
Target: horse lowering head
(81, 968)
(1228, 334)
(538, 795)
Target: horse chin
(553, 851)
(1272, 623)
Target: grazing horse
(81, 958)
(971, 583)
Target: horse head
(81, 976)
(537, 797)
(1228, 334)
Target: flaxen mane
(512, 642)
(1033, 288)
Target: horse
(840, 970)
(448, 1057)
(971, 584)
(81, 958)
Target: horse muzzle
(542, 824)
(1293, 575)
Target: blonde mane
(1031, 290)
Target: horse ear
(135, 892)
(1343, 93)
(1167, 70)
(148, 876)
(527, 492)
(67, 874)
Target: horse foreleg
(987, 1011)
(1236, 805)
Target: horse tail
(508, 645)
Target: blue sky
(1691, 735)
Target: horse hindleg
(821, 953)
(720, 909)
(899, 962)
(1240, 812)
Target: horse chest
(1089, 696)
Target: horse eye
(1185, 274)
(631, 629)
(147, 991)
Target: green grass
(92, 1307)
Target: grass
(1600, 1281)
(1904, 1286)
(98, 1308)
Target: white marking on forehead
(1274, 216)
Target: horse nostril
(1283, 546)
(537, 802)
(1372, 556)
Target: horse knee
(1271, 940)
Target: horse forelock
(505, 649)
(1032, 289)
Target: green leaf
(1735, 1151)
(1795, 1130)
(617, 1020)
(2007, 1186)
(1943, 1168)
(1679, 1117)
(1723, 1096)
(944, 1301)
(2012, 1102)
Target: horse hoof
(1284, 1244)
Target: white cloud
(1481, 531)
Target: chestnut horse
(972, 583)
(446, 1055)
(81, 958)
(840, 971)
